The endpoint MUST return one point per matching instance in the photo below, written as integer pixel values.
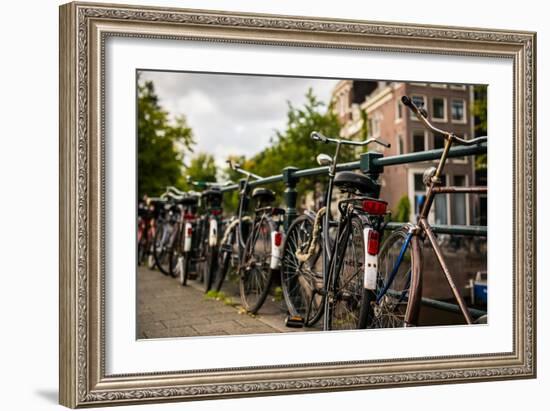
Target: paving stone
(166, 309)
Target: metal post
(367, 166)
(291, 194)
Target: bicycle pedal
(294, 321)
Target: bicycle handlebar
(203, 184)
(237, 167)
(319, 137)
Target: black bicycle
(252, 244)
(208, 228)
(328, 265)
(235, 235)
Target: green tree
(202, 168)
(403, 210)
(293, 145)
(479, 110)
(162, 144)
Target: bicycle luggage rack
(373, 163)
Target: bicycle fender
(276, 250)
(213, 233)
(188, 233)
(370, 264)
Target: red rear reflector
(373, 242)
(278, 239)
(189, 231)
(374, 207)
(216, 212)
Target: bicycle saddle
(350, 181)
(212, 193)
(264, 195)
(189, 200)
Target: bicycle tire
(386, 315)
(210, 266)
(299, 280)
(249, 268)
(182, 272)
(225, 253)
(345, 308)
(161, 251)
(174, 253)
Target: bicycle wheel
(300, 280)
(161, 249)
(142, 250)
(176, 253)
(182, 268)
(202, 241)
(211, 258)
(348, 279)
(399, 305)
(226, 254)
(255, 271)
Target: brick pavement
(166, 309)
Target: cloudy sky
(233, 114)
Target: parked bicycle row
(331, 264)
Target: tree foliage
(162, 144)
(202, 168)
(403, 210)
(293, 145)
(479, 110)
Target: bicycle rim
(255, 272)
(300, 280)
(347, 280)
(391, 309)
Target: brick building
(374, 109)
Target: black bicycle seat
(350, 181)
(263, 195)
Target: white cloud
(233, 114)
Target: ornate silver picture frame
(84, 30)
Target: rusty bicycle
(396, 300)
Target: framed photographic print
(261, 205)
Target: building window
(398, 110)
(440, 204)
(418, 141)
(439, 109)
(458, 209)
(419, 101)
(439, 141)
(400, 148)
(458, 111)
(419, 193)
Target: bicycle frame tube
(395, 268)
(242, 205)
(328, 201)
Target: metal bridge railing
(371, 163)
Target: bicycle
(166, 231)
(324, 273)
(208, 229)
(396, 300)
(181, 251)
(234, 237)
(257, 251)
(146, 230)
